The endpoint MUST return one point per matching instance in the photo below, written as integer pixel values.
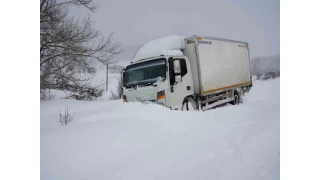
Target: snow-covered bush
(45, 94)
(271, 75)
(87, 93)
(258, 76)
(118, 93)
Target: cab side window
(183, 66)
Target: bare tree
(68, 44)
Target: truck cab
(165, 80)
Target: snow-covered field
(115, 140)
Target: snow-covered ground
(115, 140)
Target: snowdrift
(116, 140)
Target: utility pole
(107, 77)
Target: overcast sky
(136, 22)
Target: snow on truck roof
(171, 45)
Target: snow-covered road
(115, 140)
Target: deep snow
(116, 140)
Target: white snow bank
(159, 46)
(115, 140)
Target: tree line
(265, 64)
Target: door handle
(188, 87)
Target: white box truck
(184, 73)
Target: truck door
(181, 84)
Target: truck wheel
(189, 104)
(236, 99)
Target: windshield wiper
(144, 84)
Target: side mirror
(178, 78)
(176, 67)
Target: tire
(189, 105)
(236, 100)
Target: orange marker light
(161, 97)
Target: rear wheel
(236, 100)
(189, 104)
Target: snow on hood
(160, 47)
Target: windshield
(145, 72)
